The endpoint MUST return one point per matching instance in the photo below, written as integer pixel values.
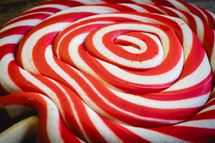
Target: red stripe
(28, 17)
(192, 134)
(18, 78)
(39, 64)
(129, 87)
(193, 9)
(168, 11)
(163, 2)
(205, 115)
(191, 21)
(45, 9)
(122, 133)
(120, 7)
(115, 78)
(133, 108)
(88, 126)
(211, 19)
(7, 49)
(151, 8)
(109, 42)
(196, 90)
(195, 58)
(69, 17)
(118, 1)
(208, 41)
(66, 135)
(21, 30)
(69, 3)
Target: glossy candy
(115, 72)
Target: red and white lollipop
(112, 72)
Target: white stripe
(121, 15)
(73, 83)
(28, 46)
(53, 122)
(131, 49)
(143, 1)
(101, 127)
(71, 107)
(29, 14)
(153, 136)
(140, 43)
(86, 8)
(207, 123)
(5, 80)
(81, 37)
(181, 15)
(198, 9)
(148, 80)
(97, 38)
(12, 39)
(49, 92)
(31, 22)
(68, 79)
(175, 104)
(208, 108)
(211, 100)
(135, 7)
(101, 112)
(199, 28)
(90, 1)
(57, 6)
(41, 86)
(158, 9)
(74, 54)
(75, 57)
(179, 5)
(212, 14)
(153, 62)
(196, 77)
(187, 35)
(146, 20)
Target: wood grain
(11, 8)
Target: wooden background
(10, 8)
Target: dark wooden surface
(10, 8)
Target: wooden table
(11, 8)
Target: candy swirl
(112, 72)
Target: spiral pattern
(137, 71)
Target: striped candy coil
(95, 71)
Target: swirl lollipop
(123, 72)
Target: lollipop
(102, 72)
